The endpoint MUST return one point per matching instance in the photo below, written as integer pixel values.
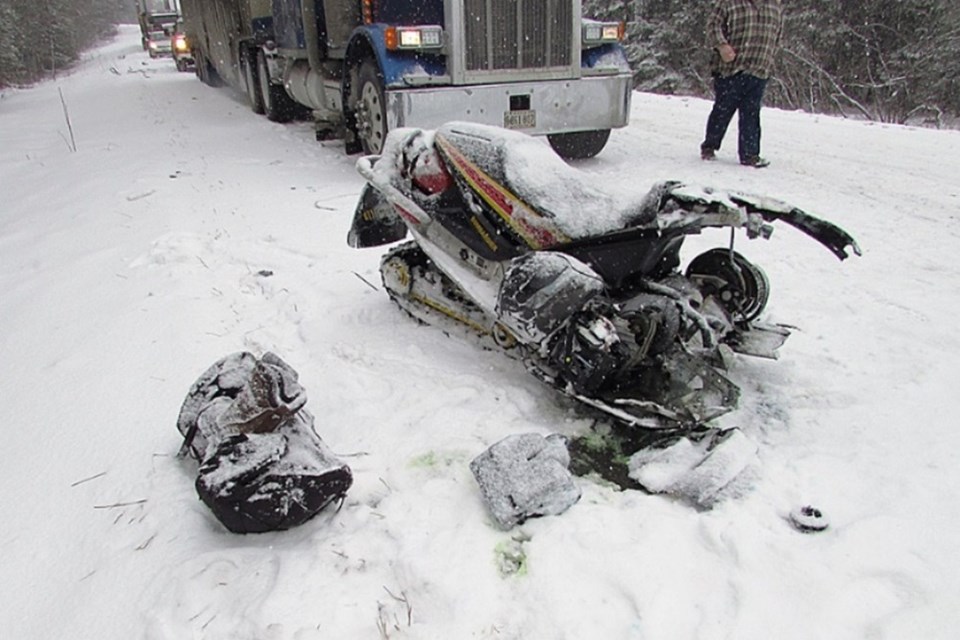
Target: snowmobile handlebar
(365, 167)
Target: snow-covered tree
(889, 60)
(11, 65)
(40, 37)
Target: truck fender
(369, 42)
(362, 46)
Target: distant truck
(156, 17)
(364, 67)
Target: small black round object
(740, 286)
(808, 519)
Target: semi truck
(155, 17)
(364, 67)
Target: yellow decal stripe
(502, 201)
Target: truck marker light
(600, 32)
(413, 37)
(409, 38)
(432, 38)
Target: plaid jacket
(752, 28)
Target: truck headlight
(421, 37)
(596, 33)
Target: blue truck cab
(363, 67)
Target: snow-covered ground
(185, 228)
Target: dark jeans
(744, 93)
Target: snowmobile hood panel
(719, 207)
(542, 289)
(568, 206)
(826, 233)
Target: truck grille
(518, 34)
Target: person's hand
(727, 52)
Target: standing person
(745, 37)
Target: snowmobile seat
(562, 203)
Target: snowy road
(185, 228)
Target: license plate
(526, 119)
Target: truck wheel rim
(370, 117)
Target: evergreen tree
(888, 60)
(42, 37)
(11, 65)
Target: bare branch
(839, 90)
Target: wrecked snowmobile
(513, 245)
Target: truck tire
(198, 66)
(371, 109)
(579, 144)
(277, 105)
(205, 71)
(248, 70)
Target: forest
(40, 38)
(885, 60)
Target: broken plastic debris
(696, 470)
(524, 476)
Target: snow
(699, 472)
(186, 228)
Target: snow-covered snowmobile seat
(554, 198)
